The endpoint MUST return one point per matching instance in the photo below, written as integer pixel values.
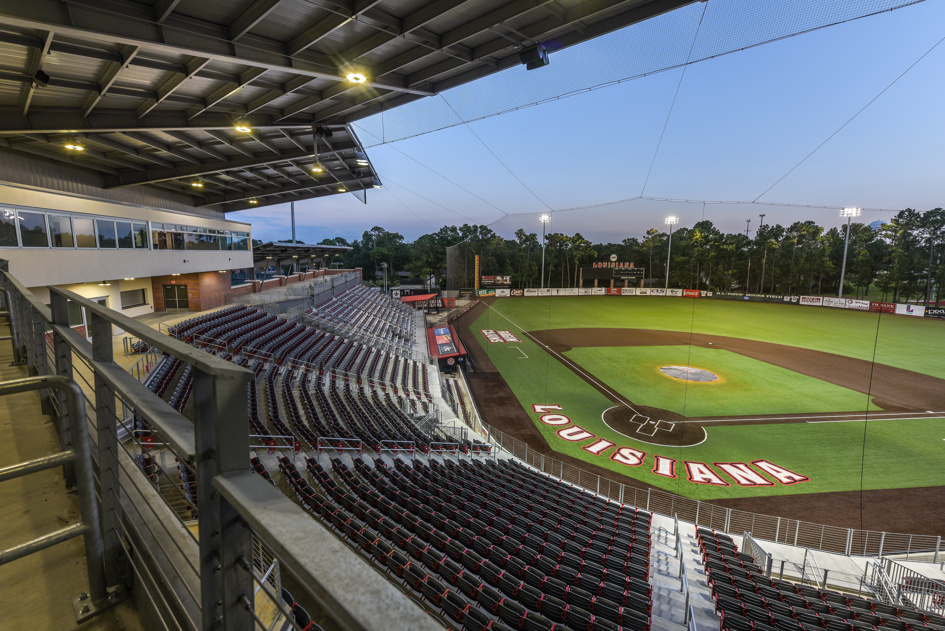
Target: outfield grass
(836, 456)
(905, 342)
(633, 371)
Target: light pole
(849, 213)
(384, 265)
(544, 219)
(671, 221)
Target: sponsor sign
(691, 293)
(597, 291)
(492, 336)
(628, 291)
(584, 291)
(486, 292)
(508, 336)
(883, 307)
(395, 294)
(658, 291)
(935, 312)
(643, 292)
(496, 281)
(613, 291)
(912, 310)
(545, 291)
(815, 301)
(518, 292)
(502, 293)
(444, 341)
(531, 291)
(570, 291)
(477, 273)
(836, 303)
(859, 305)
(674, 292)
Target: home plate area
(649, 427)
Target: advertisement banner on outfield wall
(657, 291)
(613, 291)
(883, 307)
(597, 291)
(912, 310)
(518, 293)
(544, 291)
(484, 293)
(859, 305)
(643, 292)
(571, 291)
(584, 291)
(628, 291)
(691, 293)
(935, 312)
(502, 293)
(531, 291)
(732, 295)
(706, 294)
(676, 293)
(836, 303)
(812, 301)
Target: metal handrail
(100, 596)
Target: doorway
(175, 298)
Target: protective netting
(652, 46)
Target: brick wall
(213, 289)
(188, 280)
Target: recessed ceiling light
(132, 278)
(362, 162)
(253, 201)
(197, 183)
(75, 145)
(356, 77)
(317, 168)
(342, 189)
(242, 126)
(175, 274)
(377, 186)
(222, 271)
(104, 283)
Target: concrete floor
(36, 592)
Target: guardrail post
(106, 419)
(60, 315)
(728, 519)
(882, 540)
(849, 546)
(938, 545)
(221, 433)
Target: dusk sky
(740, 122)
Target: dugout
(445, 346)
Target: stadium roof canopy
(280, 251)
(154, 90)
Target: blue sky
(740, 122)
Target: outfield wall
(829, 302)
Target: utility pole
(762, 224)
(747, 223)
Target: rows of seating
(256, 466)
(747, 600)
(456, 400)
(514, 570)
(370, 310)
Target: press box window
(8, 228)
(33, 230)
(133, 298)
(106, 233)
(60, 228)
(125, 235)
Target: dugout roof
(153, 90)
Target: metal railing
(921, 591)
(764, 560)
(187, 546)
(881, 584)
(835, 539)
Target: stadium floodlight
(671, 221)
(849, 213)
(544, 219)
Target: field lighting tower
(544, 219)
(384, 265)
(671, 221)
(849, 213)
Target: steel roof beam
(161, 146)
(117, 146)
(56, 156)
(219, 135)
(84, 19)
(88, 152)
(34, 65)
(272, 190)
(192, 142)
(338, 18)
(171, 83)
(71, 120)
(251, 16)
(107, 79)
(227, 89)
(163, 9)
(159, 175)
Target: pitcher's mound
(687, 373)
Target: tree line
(902, 260)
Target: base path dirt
(914, 511)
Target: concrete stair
(669, 602)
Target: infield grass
(745, 386)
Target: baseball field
(719, 400)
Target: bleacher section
(746, 599)
(489, 541)
(367, 310)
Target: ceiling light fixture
(175, 274)
(253, 201)
(362, 162)
(75, 145)
(132, 278)
(317, 168)
(356, 77)
(242, 126)
(197, 183)
(104, 283)
(342, 189)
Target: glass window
(105, 229)
(133, 298)
(241, 244)
(141, 235)
(84, 232)
(33, 230)
(8, 228)
(60, 229)
(123, 229)
(75, 314)
(191, 242)
(175, 241)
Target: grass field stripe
(904, 418)
(564, 359)
(843, 418)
